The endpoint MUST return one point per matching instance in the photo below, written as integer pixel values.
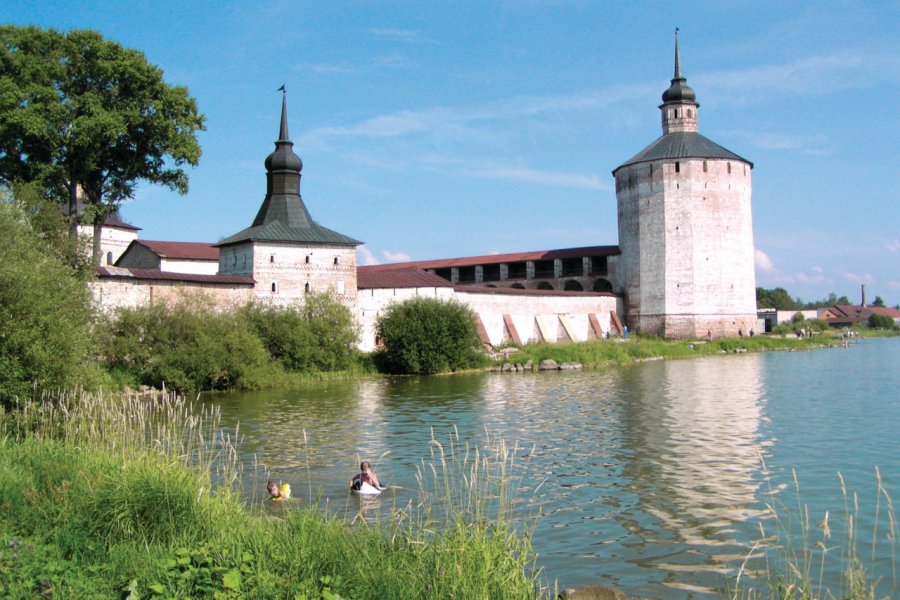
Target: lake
(654, 478)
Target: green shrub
(334, 331)
(427, 335)
(188, 346)
(881, 322)
(45, 312)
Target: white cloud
(395, 256)
(858, 278)
(893, 245)
(763, 262)
(568, 180)
(365, 257)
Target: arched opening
(307, 259)
(573, 286)
(336, 260)
(544, 286)
(274, 287)
(307, 288)
(517, 286)
(109, 259)
(602, 285)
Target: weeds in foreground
(125, 497)
(802, 561)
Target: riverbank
(605, 353)
(121, 497)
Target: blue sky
(434, 130)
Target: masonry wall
(113, 241)
(686, 235)
(114, 293)
(285, 273)
(553, 319)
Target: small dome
(284, 159)
(679, 91)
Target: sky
(435, 130)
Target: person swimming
(366, 475)
(278, 493)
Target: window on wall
(690, 113)
(271, 258)
(729, 168)
(109, 259)
(274, 287)
(336, 261)
(704, 166)
(307, 259)
(307, 288)
(677, 167)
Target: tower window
(274, 287)
(307, 259)
(271, 258)
(729, 168)
(690, 113)
(676, 113)
(677, 167)
(109, 259)
(336, 260)
(307, 288)
(704, 166)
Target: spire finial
(283, 133)
(677, 59)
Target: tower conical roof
(283, 217)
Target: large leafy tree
(87, 119)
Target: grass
(790, 560)
(131, 498)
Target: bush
(188, 346)
(881, 322)
(45, 311)
(318, 336)
(426, 335)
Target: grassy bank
(120, 498)
(617, 351)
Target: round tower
(685, 229)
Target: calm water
(656, 476)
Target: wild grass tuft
(798, 558)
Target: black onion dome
(284, 158)
(679, 91)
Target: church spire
(283, 133)
(679, 107)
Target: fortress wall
(112, 294)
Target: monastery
(684, 266)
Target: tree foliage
(881, 322)
(320, 335)
(78, 112)
(427, 335)
(45, 312)
(777, 298)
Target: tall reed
(797, 559)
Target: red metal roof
(488, 259)
(156, 275)
(368, 277)
(511, 291)
(181, 250)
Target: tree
(879, 301)
(776, 298)
(87, 119)
(427, 335)
(45, 313)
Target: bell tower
(686, 229)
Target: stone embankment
(544, 365)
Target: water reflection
(649, 477)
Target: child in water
(367, 475)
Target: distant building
(175, 257)
(847, 315)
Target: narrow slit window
(705, 167)
(677, 167)
(729, 168)
(274, 287)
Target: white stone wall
(285, 273)
(536, 318)
(196, 267)
(111, 294)
(686, 235)
(113, 241)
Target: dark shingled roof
(278, 231)
(682, 144)
(156, 275)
